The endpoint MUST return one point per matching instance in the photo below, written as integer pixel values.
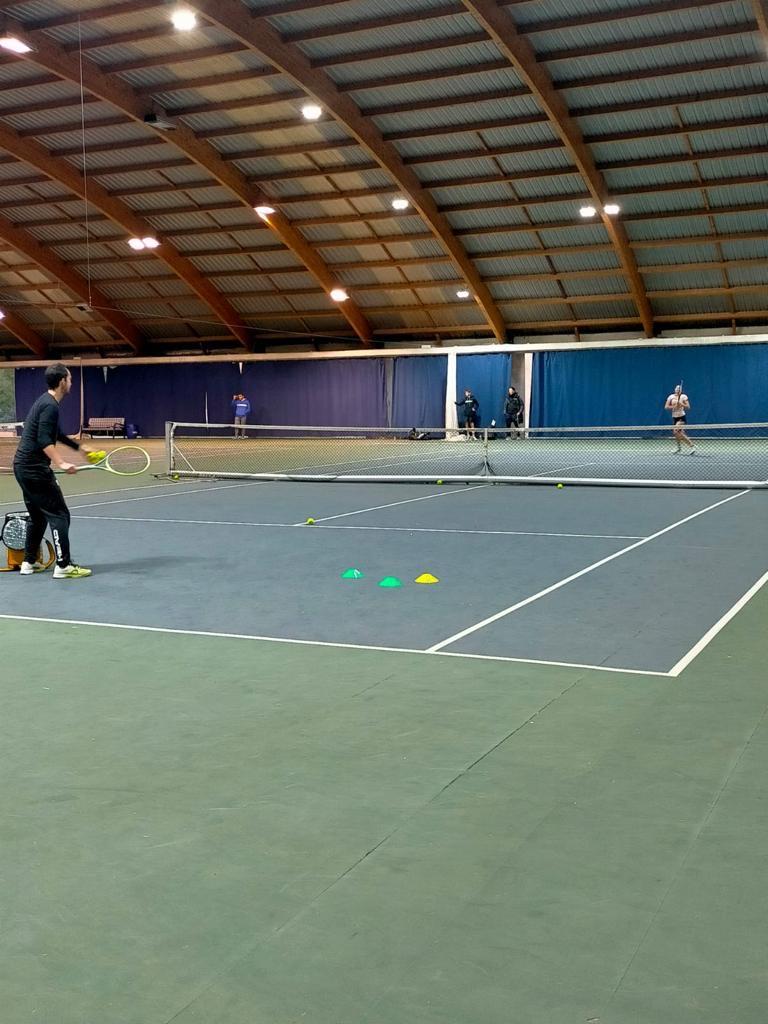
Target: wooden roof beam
(27, 335)
(522, 57)
(108, 87)
(261, 38)
(65, 275)
(68, 175)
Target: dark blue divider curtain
(488, 376)
(612, 387)
(419, 391)
(332, 392)
(151, 394)
(30, 384)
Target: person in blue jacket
(241, 407)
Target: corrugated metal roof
(492, 225)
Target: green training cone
(352, 574)
(390, 581)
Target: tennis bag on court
(14, 536)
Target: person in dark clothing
(468, 407)
(38, 448)
(514, 411)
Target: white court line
(167, 494)
(576, 575)
(392, 529)
(325, 643)
(562, 469)
(111, 490)
(721, 623)
(392, 504)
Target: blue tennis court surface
(614, 578)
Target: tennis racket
(127, 460)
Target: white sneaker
(70, 572)
(28, 568)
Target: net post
(169, 445)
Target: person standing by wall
(514, 411)
(241, 409)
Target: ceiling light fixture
(2, 315)
(13, 44)
(143, 243)
(611, 209)
(587, 211)
(462, 293)
(400, 203)
(264, 211)
(311, 112)
(339, 295)
(184, 20)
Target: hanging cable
(85, 161)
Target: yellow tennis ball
(560, 486)
(175, 476)
(310, 521)
(439, 481)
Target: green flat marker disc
(390, 581)
(352, 574)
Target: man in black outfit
(468, 407)
(513, 411)
(37, 449)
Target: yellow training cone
(426, 577)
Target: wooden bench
(111, 426)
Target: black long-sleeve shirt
(41, 429)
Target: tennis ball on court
(560, 486)
(439, 481)
(310, 521)
(176, 476)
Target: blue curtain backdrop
(419, 391)
(332, 392)
(30, 384)
(488, 376)
(611, 387)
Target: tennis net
(723, 455)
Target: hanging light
(339, 295)
(400, 203)
(611, 209)
(150, 242)
(13, 44)
(312, 112)
(462, 293)
(587, 211)
(184, 20)
(264, 211)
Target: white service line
(167, 494)
(721, 623)
(111, 490)
(323, 643)
(392, 504)
(562, 469)
(576, 575)
(393, 529)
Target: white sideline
(577, 575)
(721, 623)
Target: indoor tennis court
(408, 663)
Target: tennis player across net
(724, 455)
